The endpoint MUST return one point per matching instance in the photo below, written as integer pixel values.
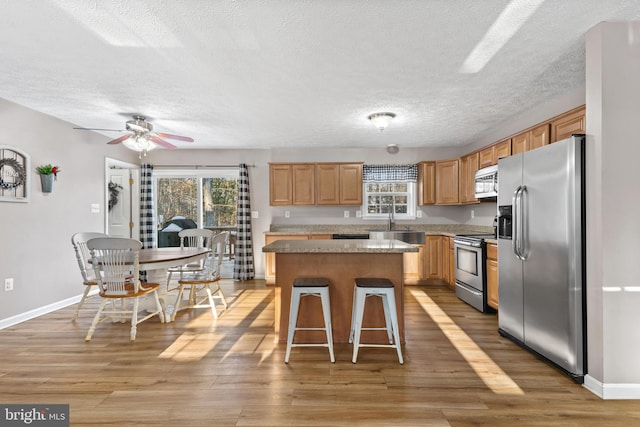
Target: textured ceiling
(295, 73)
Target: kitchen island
(340, 261)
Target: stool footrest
(311, 329)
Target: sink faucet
(391, 221)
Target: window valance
(390, 173)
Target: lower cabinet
(492, 275)
(452, 264)
(433, 257)
(414, 266)
(270, 258)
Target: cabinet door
(446, 271)
(452, 264)
(303, 184)
(520, 143)
(503, 149)
(280, 180)
(539, 137)
(414, 266)
(328, 186)
(433, 257)
(487, 157)
(447, 179)
(569, 123)
(270, 257)
(492, 283)
(468, 168)
(427, 183)
(351, 184)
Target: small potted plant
(48, 174)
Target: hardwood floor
(198, 371)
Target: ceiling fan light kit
(381, 120)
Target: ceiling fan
(141, 138)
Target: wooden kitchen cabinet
(487, 157)
(468, 168)
(270, 258)
(446, 271)
(339, 184)
(433, 257)
(531, 139)
(492, 275)
(571, 122)
(280, 185)
(427, 183)
(502, 149)
(303, 184)
(447, 182)
(351, 184)
(414, 266)
(452, 264)
(328, 184)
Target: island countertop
(360, 246)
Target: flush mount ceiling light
(381, 120)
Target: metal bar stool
(379, 287)
(303, 287)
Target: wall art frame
(15, 175)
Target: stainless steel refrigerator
(541, 253)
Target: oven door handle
(460, 242)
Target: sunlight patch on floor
(486, 369)
(191, 347)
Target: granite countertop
(339, 246)
(432, 229)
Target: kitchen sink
(413, 237)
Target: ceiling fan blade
(104, 130)
(178, 137)
(118, 140)
(162, 142)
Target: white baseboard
(611, 391)
(28, 315)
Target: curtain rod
(237, 165)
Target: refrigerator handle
(524, 244)
(517, 221)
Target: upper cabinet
(303, 184)
(427, 183)
(468, 168)
(280, 185)
(531, 139)
(300, 184)
(489, 156)
(351, 184)
(447, 182)
(571, 122)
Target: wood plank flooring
(199, 371)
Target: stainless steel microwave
(487, 182)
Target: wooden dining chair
(192, 238)
(116, 266)
(79, 242)
(202, 281)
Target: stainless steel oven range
(470, 269)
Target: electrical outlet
(95, 208)
(8, 284)
(255, 214)
(287, 214)
(418, 213)
(473, 214)
(358, 214)
(346, 214)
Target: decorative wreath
(114, 191)
(18, 173)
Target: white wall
(35, 237)
(613, 270)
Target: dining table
(157, 261)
